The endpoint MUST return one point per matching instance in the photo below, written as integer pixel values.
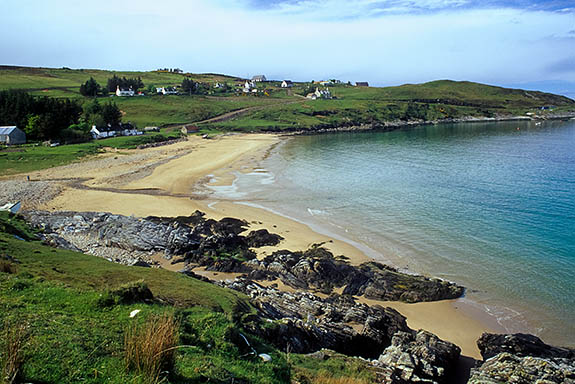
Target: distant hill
(463, 93)
(61, 82)
(278, 109)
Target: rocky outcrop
(318, 269)
(308, 323)
(127, 239)
(418, 357)
(520, 344)
(522, 359)
(221, 246)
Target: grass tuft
(7, 267)
(12, 355)
(150, 347)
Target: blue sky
(386, 42)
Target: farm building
(287, 84)
(187, 129)
(362, 84)
(12, 135)
(11, 207)
(259, 78)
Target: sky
(522, 43)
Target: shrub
(150, 347)
(129, 293)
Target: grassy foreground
(65, 318)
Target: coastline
(398, 124)
(170, 189)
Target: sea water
(490, 206)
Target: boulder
(419, 357)
(522, 359)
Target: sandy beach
(169, 180)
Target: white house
(11, 135)
(250, 86)
(319, 94)
(259, 78)
(124, 92)
(122, 129)
(287, 84)
(167, 90)
(102, 132)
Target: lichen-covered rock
(508, 368)
(418, 357)
(522, 359)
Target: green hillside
(279, 109)
(65, 82)
(65, 318)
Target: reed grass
(150, 347)
(12, 356)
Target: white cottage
(287, 84)
(124, 92)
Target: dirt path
(240, 112)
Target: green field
(32, 157)
(72, 312)
(66, 82)
(435, 100)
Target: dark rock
(141, 263)
(520, 344)
(262, 237)
(308, 323)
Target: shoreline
(179, 176)
(388, 126)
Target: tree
(90, 88)
(34, 127)
(189, 86)
(111, 114)
(114, 82)
(42, 117)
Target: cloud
(562, 66)
(456, 40)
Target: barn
(12, 135)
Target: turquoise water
(488, 205)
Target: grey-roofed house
(362, 84)
(11, 135)
(259, 78)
